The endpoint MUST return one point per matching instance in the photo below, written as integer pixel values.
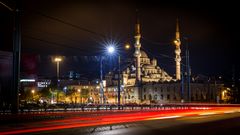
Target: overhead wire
(69, 24)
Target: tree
(45, 93)
(70, 93)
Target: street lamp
(33, 91)
(127, 46)
(111, 50)
(58, 60)
(188, 69)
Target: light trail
(105, 118)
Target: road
(179, 121)
(225, 124)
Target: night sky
(76, 29)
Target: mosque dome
(143, 54)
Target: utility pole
(16, 57)
(182, 86)
(119, 70)
(101, 81)
(188, 71)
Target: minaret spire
(177, 30)
(177, 43)
(137, 45)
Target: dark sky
(212, 30)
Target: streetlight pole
(57, 70)
(188, 70)
(101, 81)
(119, 60)
(182, 85)
(58, 60)
(33, 91)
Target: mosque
(144, 81)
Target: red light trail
(114, 117)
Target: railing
(35, 108)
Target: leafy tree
(45, 92)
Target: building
(143, 81)
(170, 92)
(150, 72)
(5, 79)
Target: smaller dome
(143, 54)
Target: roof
(143, 54)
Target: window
(202, 98)
(144, 97)
(168, 88)
(162, 97)
(150, 97)
(155, 97)
(175, 98)
(168, 97)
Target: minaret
(177, 42)
(137, 53)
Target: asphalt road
(227, 124)
(196, 120)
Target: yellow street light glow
(58, 59)
(79, 90)
(127, 46)
(33, 91)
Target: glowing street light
(110, 49)
(57, 60)
(127, 46)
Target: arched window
(150, 97)
(168, 97)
